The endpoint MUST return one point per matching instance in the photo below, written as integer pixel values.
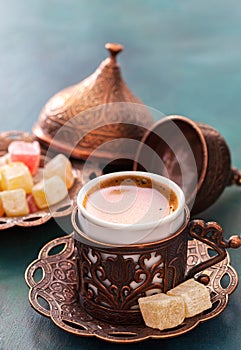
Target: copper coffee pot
(101, 108)
(175, 140)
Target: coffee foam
(129, 200)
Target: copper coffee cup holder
(112, 278)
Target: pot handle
(210, 233)
(235, 177)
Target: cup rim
(102, 223)
(87, 240)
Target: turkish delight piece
(14, 202)
(2, 212)
(1, 188)
(196, 296)
(162, 311)
(60, 166)
(49, 191)
(5, 159)
(27, 153)
(32, 204)
(16, 175)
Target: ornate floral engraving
(69, 315)
(112, 280)
(218, 170)
(99, 109)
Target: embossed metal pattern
(99, 109)
(62, 208)
(59, 288)
(218, 172)
(211, 153)
(113, 279)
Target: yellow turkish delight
(60, 166)
(16, 175)
(1, 207)
(5, 159)
(1, 188)
(161, 311)
(195, 295)
(164, 311)
(14, 202)
(49, 191)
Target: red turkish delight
(27, 153)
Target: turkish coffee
(130, 200)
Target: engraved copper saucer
(58, 288)
(62, 208)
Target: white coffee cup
(97, 230)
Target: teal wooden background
(180, 57)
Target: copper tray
(62, 208)
(58, 287)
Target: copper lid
(194, 155)
(101, 108)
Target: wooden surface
(180, 57)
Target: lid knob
(114, 49)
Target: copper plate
(58, 288)
(62, 208)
